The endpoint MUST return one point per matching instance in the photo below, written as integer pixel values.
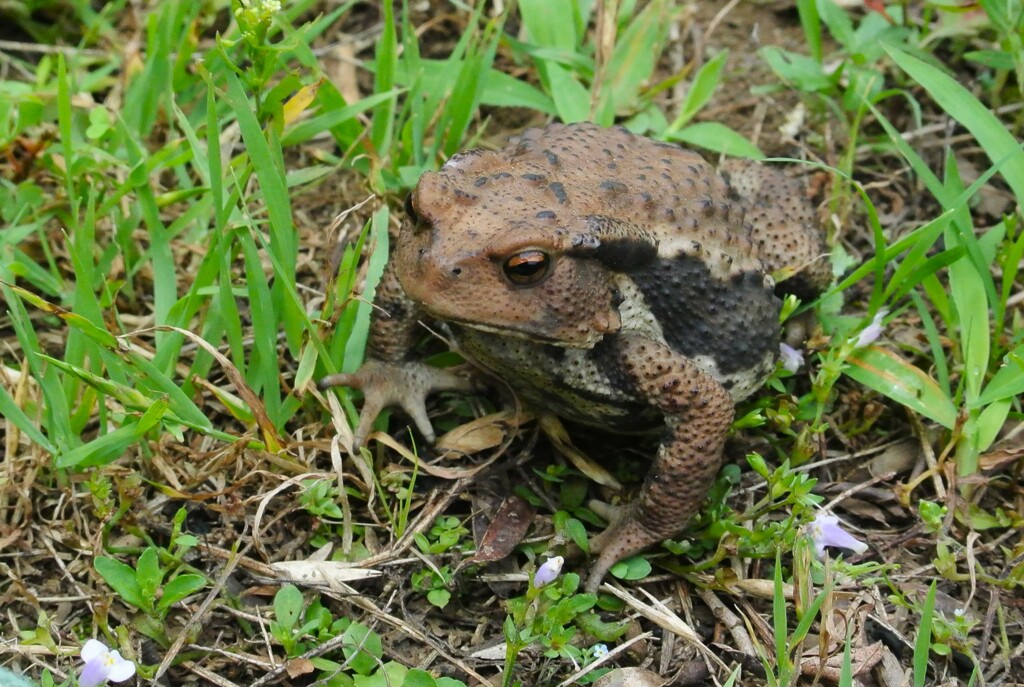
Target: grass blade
(891, 376)
(269, 168)
(963, 107)
(923, 643)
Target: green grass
(169, 296)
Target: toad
(610, 279)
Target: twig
(39, 48)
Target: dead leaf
(898, 458)
(555, 432)
(432, 468)
(891, 673)
(322, 573)
(506, 530)
(1005, 451)
(862, 660)
(298, 103)
(297, 667)
(657, 612)
(481, 434)
(631, 677)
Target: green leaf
(967, 110)
(633, 60)
(837, 21)
(703, 87)
(288, 604)
(577, 533)
(362, 648)
(592, 624)
(113, 445)
(993, 59)
(810, 615)
(633, 568)
(1008, 381)
(811, 23)
(356, 344)
(719, 138)
(549, 23)
(15, 415)
(388, 675)
(891, 376)
(569, 607)
(264, 374)
(439, 597)
(306, 129)
(504, 90)
(269, 167)
(419, 678)
(989, 423)
(122, 580)
(179, 588)
(759, 465)
(803, 72)
(572, 100)
(148, 573)
(924, 639)
(510, 630)
(449, 682)
(82, 324)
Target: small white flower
(792, 358)
(870, 333)
(826, 531)
(794, 123)
(598, 651)
(102, 664)
(547, 573)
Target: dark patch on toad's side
(735, 322)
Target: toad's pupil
(527, 268)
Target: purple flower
(870, 333)
(547, 573)
(825, 531)
(792, 358)
(102, 664)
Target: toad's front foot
(405, 385)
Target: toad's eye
(527, 268)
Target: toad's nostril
(456, 271)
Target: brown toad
(608, 278)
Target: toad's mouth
(520, 333)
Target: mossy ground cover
(196, 201)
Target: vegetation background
(196, 200)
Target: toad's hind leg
(698, 412)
